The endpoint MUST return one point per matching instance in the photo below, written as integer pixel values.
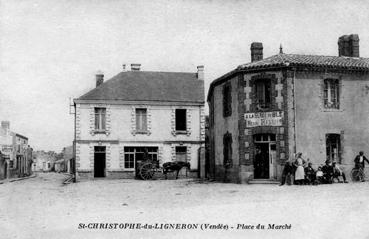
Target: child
(319, 175)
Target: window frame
(100, 119)
(153, 153)
(181, 130)
(265, 83)
(331, 85)
(140, 116)
(337, 157)
(227, 99)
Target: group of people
(301, 172)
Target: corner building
(265, 111)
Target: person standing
(360, 160)
(287, 173)
(300, 173)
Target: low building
(263, 112)
(16, 153)
(161, 113)
(44, 161)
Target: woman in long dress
(300, 173)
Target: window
(181, 153)
(331, 94)
(333, 144)
(262, 138)
(132, 154)
(227, 150)
(262, 94)
(181, 124)
(227, 100)
(100, 114)
(129, 157)
(141, 120)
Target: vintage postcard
(184, 119)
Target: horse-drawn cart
(147, 168)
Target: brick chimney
(256, 51)
(99, 78)
(200, 72)
(348, 45)
(135, 67)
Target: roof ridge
(170, 72)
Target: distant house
(44, 161)
(137, 111)
(16, 159)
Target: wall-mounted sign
(274, 118)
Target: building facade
(161, 113)
(16, 153)
(265, 111)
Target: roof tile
(358, 63)
(150, 86)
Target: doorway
(264, 157)
(99, 161)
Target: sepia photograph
(184, 119)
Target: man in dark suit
(287, 173)
(328, 172)
(360, 160)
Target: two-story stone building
(265, 111)
(138, 111)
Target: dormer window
(263, 94)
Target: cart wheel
(146, 171)
(357, 175)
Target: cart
(147, 169)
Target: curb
(17, 179)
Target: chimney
(200, 72)
(5, 125)
(124, 67)
(135, 67)
(256, 51)
(99, 78)
(348, 45)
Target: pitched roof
(296, 60)
(350, 63)
(150, 86)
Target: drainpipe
(294, 106)
(74, 145)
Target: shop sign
(274, 118)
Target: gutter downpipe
(74, 145)
(294, 106)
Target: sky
(50, 50)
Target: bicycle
(357, 174)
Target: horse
(174, 166)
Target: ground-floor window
(333, 147)
(134, 154)
(181, 153)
